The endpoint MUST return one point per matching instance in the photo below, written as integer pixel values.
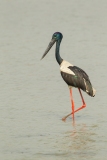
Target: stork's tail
(94, 92)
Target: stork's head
(56, 37)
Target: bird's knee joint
(84, 105)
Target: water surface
(33, 96)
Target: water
(33, 96)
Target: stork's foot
(64, 119)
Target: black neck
(58, 58)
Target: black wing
(79, 80)
(79, 72)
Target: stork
(71, 74)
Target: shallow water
(33, 96)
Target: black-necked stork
(72, 75)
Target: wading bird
(72, 75)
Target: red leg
(72, 103)
(83, 106)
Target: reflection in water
(80, 141)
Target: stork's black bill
(49, 47)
